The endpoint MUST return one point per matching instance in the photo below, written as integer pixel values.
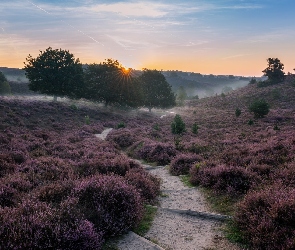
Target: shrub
(122, 137)
(260, 108)
(222, 179)
(147, 184)
(55, 192)
(121, 125)
(35, 225)
(195, 128)
(253, 81)
(238, 112)
(105, 163)
(177, 126)
(161, 153)
(4, 85)
(267, 218)
(111, 204)
(182, 163)
(8, 196)
(250, 122)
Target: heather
(48, 150)
(60, 186)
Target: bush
(35, 225)
(147, 184)
(161, 153)
(253, 81)
(177, 126)
(222, 179)
(267, 218)
(260, 108)
(195, 128)
(105, 163)
(182, 163)
(111, 204)
(121, 125)
(238, 112)
(122, 137)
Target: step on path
(183, 220)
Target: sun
(126, 71)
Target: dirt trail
(175, 227)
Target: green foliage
(222, 95)
(4, 85)
(195, 128)
(121, 125)
(276, 127)
(181, 96)
(177, 126)
(111, 83)
(157, 92)
(276, 94)
(55, 72)
(156, 127)
(87, 119)
(238, 112)
(259, 107)
(146, 222)
(253, 81)
(250, 122)
(274, 70)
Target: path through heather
(174, 227)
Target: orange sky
(223, 37)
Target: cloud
(234, 56)
(138, 9)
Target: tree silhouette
(274, 70)
(4, 85)
(55, 72)
(113, 84)
(157, 92)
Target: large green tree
(157, 92)
(111, 83)
(274, 70)
(55, 72)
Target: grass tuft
(144, 225)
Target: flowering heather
(267, 218)
(35, 225)
(182, 163)
(232, 180)
(111, 204)
(122, 137)
(147, 184)
(161, 153)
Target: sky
(218, 37)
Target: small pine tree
(177, 126)
(195, 128)
(238, 112)
(260, 108)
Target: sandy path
(172, 230)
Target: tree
(55, 72)
(259, 107)
(181, 96)
(4, 85)
(274, 70)
(178, 125)
(113, 84)
(157, 92)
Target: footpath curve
(183, 220)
